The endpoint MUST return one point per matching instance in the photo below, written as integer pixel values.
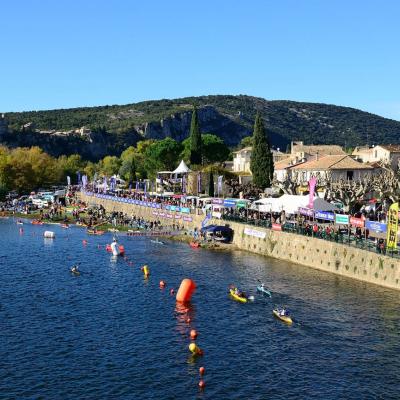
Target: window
(350, 175)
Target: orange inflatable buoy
(108, 248)
(202, 370)
(121, 249)
(193, 334)
(185, 290)
(202, 384)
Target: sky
(72, 53)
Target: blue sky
(59, 54)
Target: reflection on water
(110, 333)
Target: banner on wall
(254, 232)
(341, 219)
(325, 215)
(374, 226)
(357, 222)
(392, 226)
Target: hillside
(230, 117)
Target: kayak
(285, 318)
(37, 222)
(77, 273)
(264, 291)
(20, 223)
(237, 297)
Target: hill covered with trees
(229, 117)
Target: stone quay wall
(316, 253)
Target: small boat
(285, 318)
(37, 222)
(236, 297)
(20, 223)
(194, 245)
(95, 232)
(264, 291)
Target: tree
(195, 140)
(211, 185)
(162, 155)
(246, 142)
(214, 149)
(261, 162)
(110, 165)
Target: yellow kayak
(236, 297)
(284, 318)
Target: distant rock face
(177, 126)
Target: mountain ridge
(228, 116)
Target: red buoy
(193, 334)
(201, 371)
(202, 384)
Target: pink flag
(311, 187)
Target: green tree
(110, 165)
(195, 140)
(261, 162)
(211, 185)
(246, 142)
(162, 155)
(213, 148)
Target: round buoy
(188, 320)
(202, 370)
(193, 334)
(202, 384)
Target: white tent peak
(182, 168)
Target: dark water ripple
(108, 334)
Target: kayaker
(74, 269)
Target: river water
(109, 334)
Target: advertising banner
(392, 226)
(276, 227)
(358, 222)
(217, 201)
(341, 219)
(229, 203)
(325, 215)
(376, 226)
(255, 233)
(306, 211)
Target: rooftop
(393, 148)
(323, 149)
(332, 162)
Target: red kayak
(37, 222)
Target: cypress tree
(261, 162)
(195, 140)
(211, 185)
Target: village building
(241, 159)
(334, 167)
(387, 154)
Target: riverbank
(336, 258)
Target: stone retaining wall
(315, 253)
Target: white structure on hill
(388, 154)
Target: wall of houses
(314, 253)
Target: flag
(219, 186)
(311, 187)
(199, 182)
(68, 180)
(184, 184)
(392, 226)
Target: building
(282, 168)
(241, 160)
(388, 154)
(335, 167)
(301, 151)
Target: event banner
(392, 226)
(357, 222)
(325, 215)
(311, 187)
(374, 226)
(341, 219)
(254, 232)
(306, 211)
